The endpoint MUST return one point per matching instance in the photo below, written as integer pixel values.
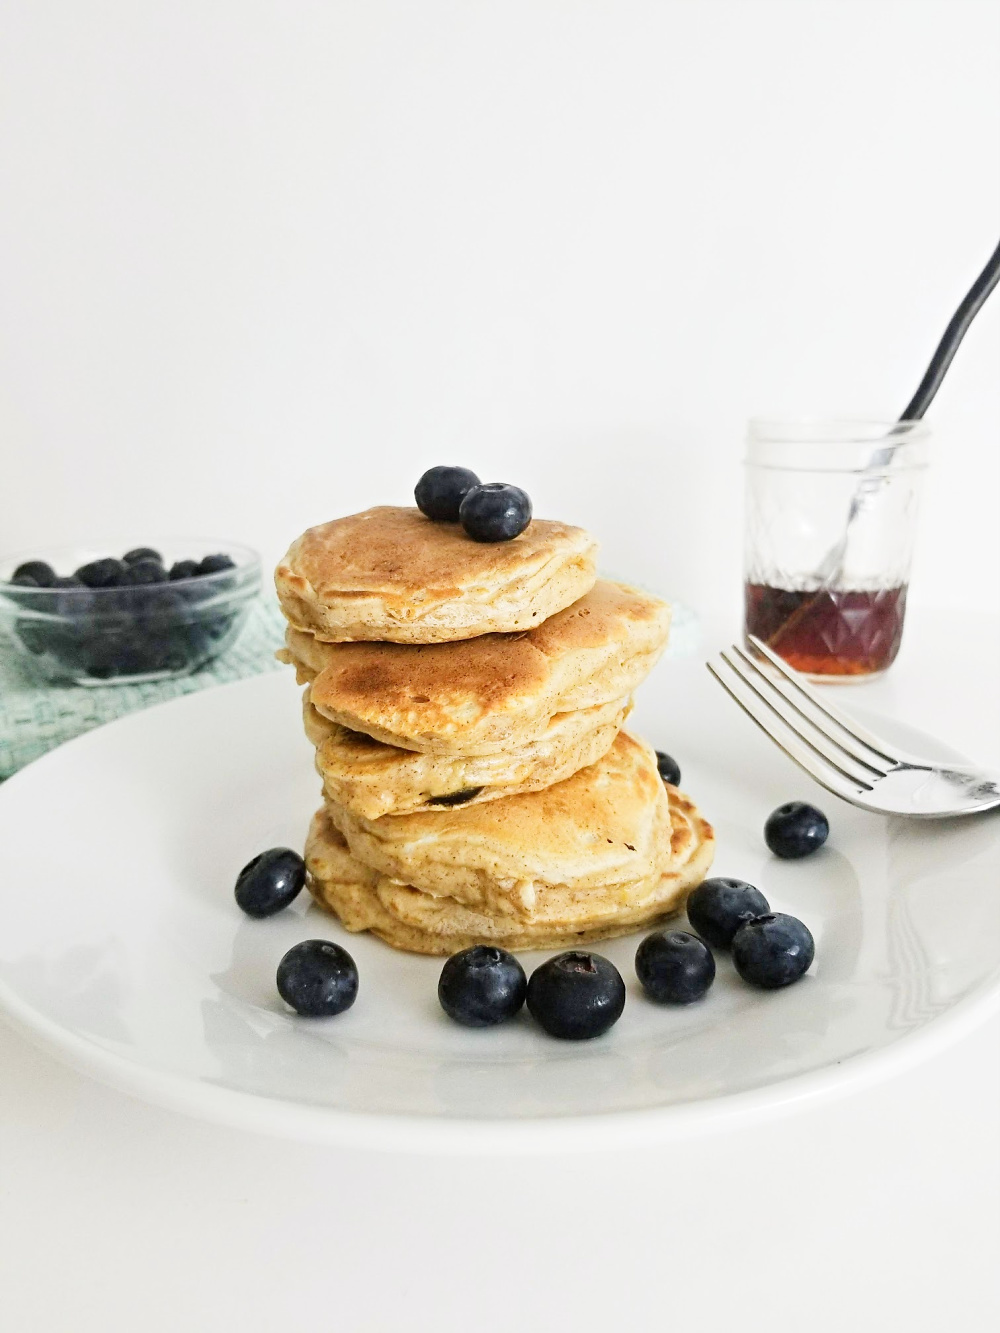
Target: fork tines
(835, 750)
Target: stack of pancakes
(466, 702)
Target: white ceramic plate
(122, 951)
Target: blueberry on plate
(66, 581)
(106, 573)
(144, 571)
(215, 564)
(576, 995)
(441, 490)
(142, 553)
(795, 830)
(674, 967)
(668, 768)
(183, 569)
(318, 979)
(718, 907)
(773, 950)
(482, 986)
(270, 881)
(42, 575)
(495, 512)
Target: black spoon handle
(972, 303)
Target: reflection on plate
(122, 951)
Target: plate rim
(464, 1135)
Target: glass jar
(830, 516)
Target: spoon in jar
(831, 567)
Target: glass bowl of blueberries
(80, 616)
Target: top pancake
(390, 574)
(491, 692)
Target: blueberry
(270, 881)
(674, 967)
(155, 646)
(576, 995)
(36, 600)
(795, 830)
(318, 979)
(106, 573)
(198, 646)
(143, 572)
(773, 950)
(142, 553)
(49, 635)
(456, 797)
(184, 569)
(75, 601)
(33, 635)
(168, 655)
(495, 512)
(160, 607)
(669, 769)
(41, 574)
(156, 605)
(215, 564)
(218, 626)
(113, 648)
(105, 659)
(482, 986)
(441, 490)
(718, 907)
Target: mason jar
(831, 510)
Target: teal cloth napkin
(36, 717)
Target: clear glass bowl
(130, 635)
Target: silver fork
(841, 754)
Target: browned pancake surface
(447, 689)
(400, 552)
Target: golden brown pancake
(407, 918)
(390, 574)
(498, 691)
(607, 827)
(372, 779)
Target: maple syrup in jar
(828, 632)
(830, 516)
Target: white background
(263, 262)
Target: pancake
(492, 693)
(409, 919)
(390, 574)
(605, 828)
(371, 779)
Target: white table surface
(880, 1210)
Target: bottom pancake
(421, 922)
